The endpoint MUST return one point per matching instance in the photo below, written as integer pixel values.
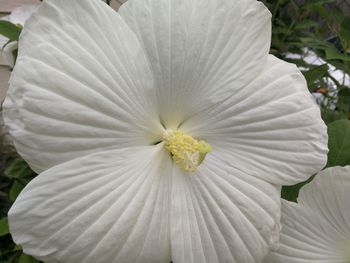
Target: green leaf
(314, 74)
(19, 169)
(27, 259)
(339, 143)
(298, 61)
(17, 248)
(15, 190)
(318, 2)
(315, 42)
(344, 95)
(306, 24)
(319, 8)
(333, 53)
(337, 14)
(4, 227)
(330, 116)
(343, 103)
(9, 30)
(342, 65)
(345, 31)
(291, 192)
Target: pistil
(186, 151)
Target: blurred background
(313, 34)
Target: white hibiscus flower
(18, 16)
(99, 98)
(317, 229)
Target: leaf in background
(9, 30)
(15, 190)
(333, 53)
(342, 65)
(306, 24)
(345, 31)
(318, 2)
(4, 227)
(315, 74)
(339, 143)
(298, 61)
(337, 14)
(314, 42)
(291, 192)
(19, 169)
(343, 103)
(344, 95)
(319, 8)
(27, 259)
(330, 116)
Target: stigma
(186, 151)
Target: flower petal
(199, 50)
(328, 195)
(221, 214)
(318, 228)
(81, 84)
(106, 207)
(271, 128)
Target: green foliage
(15, 190)
(344, 32)
(12, 33)
(339, 143)
(19, 169)
(315, 74)
(13, 179)
(27, 259)
(4, 228)
(9, 30)
(344, 96)
(291, 193)
(331, 53)
(21, 174)
(298, 26)
(330, 116)
(320, 26)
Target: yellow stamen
(186, 151)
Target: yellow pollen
(186, 151)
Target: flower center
(186, 151)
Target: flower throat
(186, 151)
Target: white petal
(107, 207)
(329, 195)
(305, 238)
(317, 230)
(81, 84)
(199, 50)
(221, 214)
(271, 128)
(3, 40)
